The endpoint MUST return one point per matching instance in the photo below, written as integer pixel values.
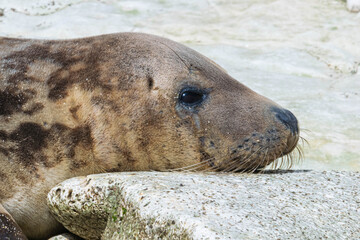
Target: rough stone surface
(65, 236)
(83, 204)
(152, 205)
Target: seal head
(188, 113)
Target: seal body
(122, 102)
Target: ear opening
(150, 81)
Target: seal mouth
(258, 159)
(255, 161)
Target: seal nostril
(287, 118)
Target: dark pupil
(191, 97)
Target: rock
(153, 205)
(83, 204)
(65, 236)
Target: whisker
(205, 167)
(303, 140)
(234, 161)
(287, 162)
(191, 166)
(258, 165)
(264, 160)
(226, 162)
(274, 164)
(283, 161)
(248, 159)
(305, 130)
(300, 153)
(245, 162)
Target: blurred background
(303, 54)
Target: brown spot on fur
(30, 138)
(73, 112)
(2, 176)
(29, 142)
(69, 140)
(76, 66)
(4, 151)
(3, 135)
(19, 61)
(80, 135)
(34, 108)
(12, 100)
(81, 68)
(128, 156)
(31, 135)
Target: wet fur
(110, 103)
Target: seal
(122, 102)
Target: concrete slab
(152, 205)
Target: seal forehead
(180, 61)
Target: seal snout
(287, 118)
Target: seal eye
(191, 97)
